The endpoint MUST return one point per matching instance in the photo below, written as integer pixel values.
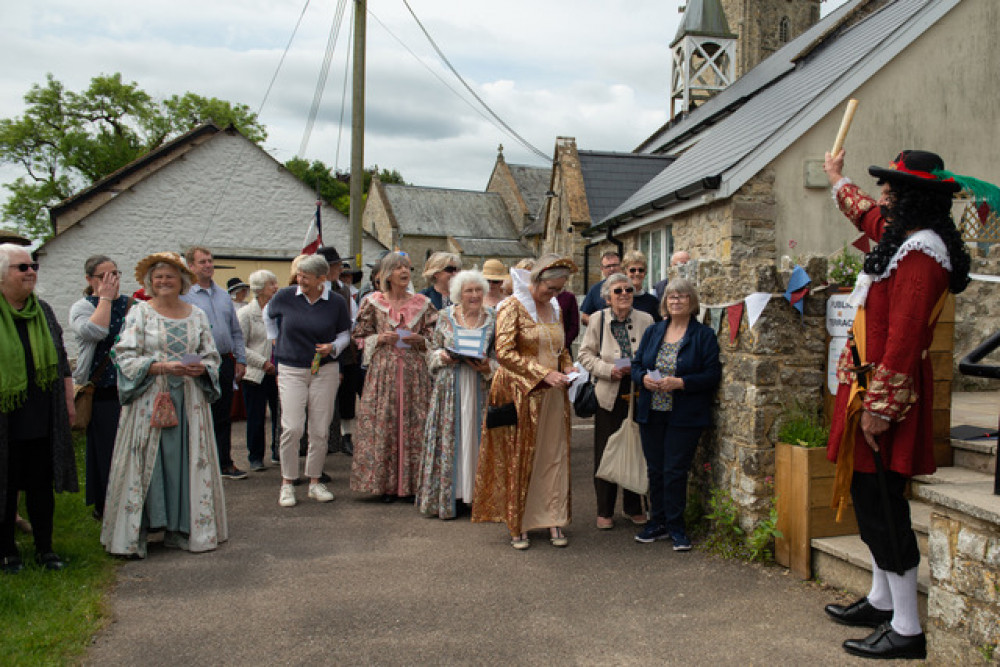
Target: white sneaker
(287, 497)
(318, 491)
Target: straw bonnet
(493, 269)
(165, 257)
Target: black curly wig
(912, 209)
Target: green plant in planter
(803, 425)
(845, 267)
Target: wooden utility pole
(358, 129)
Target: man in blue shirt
(218, 306)
(593, 302)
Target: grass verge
(49, 618)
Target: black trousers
(350, 389)
(101, 433)
(669, 452)
(605, 424)
(29, 469)
(879, 529)
(258, 398)
(222, 420)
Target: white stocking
(346, 426)
(879, 596)
(905, 617)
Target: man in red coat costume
(885, 393)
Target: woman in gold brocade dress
(523, 473)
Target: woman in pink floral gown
(394, 327)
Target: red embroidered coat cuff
(891, 394)
(854, 203)
(845, 362)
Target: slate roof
(537, 226)
(611, 178)
(764, 111)
(493, 247)
(533, 183)
(704, 18)
(423, 211)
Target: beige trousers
(299, 390)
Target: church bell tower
(764, 26)
(703, 53)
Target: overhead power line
(282, 61)
(521, 140)
(343, 95)
(433, 72)
(331, 45)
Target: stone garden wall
(963, 605)
(780, 361)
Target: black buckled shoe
(860, 614)
(50, 561)
(886, 644)
(347, 444)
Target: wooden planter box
(803, 482)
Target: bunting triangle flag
(734, 314)
(715, 319)
(797, 297)
(862, 244)
(756, 303)
(798, 287)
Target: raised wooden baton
(845, 125)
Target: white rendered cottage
(209, 187)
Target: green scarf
(14, 376)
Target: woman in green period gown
(165, 478)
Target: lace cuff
(891, 394)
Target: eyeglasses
(609, 266)
(636, 269)
(23, 268)
(620, 290)
(678, 297)
(450, 269)
(495, 282)
(100, 276)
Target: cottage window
(784, 28)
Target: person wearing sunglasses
(494, 272)
(96, 320)
(612, 336)
(635, 268)
(36, 410)
(439, 269)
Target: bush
(802, 425)
(845, 267)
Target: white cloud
(598, 71)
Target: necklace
(460, 316)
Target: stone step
(845, 563)
(949, 475)
(979, 455)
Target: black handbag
(585, 404)
(501, 415)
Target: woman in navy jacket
(677, 369)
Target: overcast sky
(596, 71)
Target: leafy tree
(335, 188)
(67, 140)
